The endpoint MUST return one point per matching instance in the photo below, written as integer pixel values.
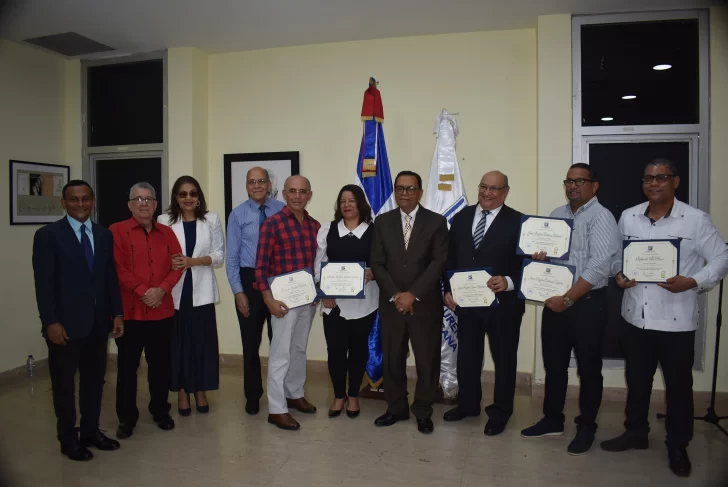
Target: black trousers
(503, 327)
(154, 339)
(347, 342)
(580, 328)
(424, 330)
(251, 331)
(674, 351)
(88, 356)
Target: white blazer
(210, 241)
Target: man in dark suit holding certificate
(408, 258)
(486, 236)
(78, 299)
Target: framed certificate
(343, 280)
(470, 288)
(543, 280)
(294, 288)
(542, 234)
(650, 260)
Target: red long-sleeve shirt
(144, 261)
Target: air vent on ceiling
(69, 44)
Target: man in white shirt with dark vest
(662, 318)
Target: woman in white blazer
(194, 355)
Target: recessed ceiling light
(607, 119)
(629, 97)
(662, 67)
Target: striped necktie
(480, 230)
(407, 230)
(88, 251)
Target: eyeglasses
(259, 182)
(492, 189)
(184, 194)
(143, 201)
(578, 182)
(407, 190)
(660, 178)
(297, 191)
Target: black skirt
(195, 364)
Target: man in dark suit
(486, 236)
(408, 257)
(78, 299)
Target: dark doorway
(114, 179)
(619, 167)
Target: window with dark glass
(642, 73)
(125, 104)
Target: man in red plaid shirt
(287, 243)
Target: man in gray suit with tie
(408, 257)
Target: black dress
(347, 340)
(195, 361)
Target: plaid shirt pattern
(284, 245)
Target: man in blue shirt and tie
(78, 298)
(243, 230)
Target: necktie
(262, 216)
(407, 230)
(88, 251)
(480, 230)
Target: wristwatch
(568, 301)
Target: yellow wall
(309, 99)
(554, 157)
(38, 92)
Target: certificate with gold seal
(542, 280)
(650, 260)
(294, 289)
(343, 280)
(541, 234)
(470, 289)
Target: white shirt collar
(358, 231)
(492, 212)
(413, 214)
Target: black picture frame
(280, 165)
(29, 181)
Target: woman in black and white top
(348, 322)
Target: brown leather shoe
(284, 421)
(302, 405)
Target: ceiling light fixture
(607, 119)
(629, 97)
(662, 67)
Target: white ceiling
(236, 25)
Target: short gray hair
(142, 185)
(663, 162)
(247, 174)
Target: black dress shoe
(456, 414)
(425, 426)
(124, 431)
(388, 419)
(100, 441)
(76, 451)
(165, 423)
(679, 461)
(494, 428)
(252, 406)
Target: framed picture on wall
(280, 166)
(36, 191)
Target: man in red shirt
(287, 243)
(143, 253)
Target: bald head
(295, 179)
(492, 190)
(257, 173)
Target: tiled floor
(228, 447)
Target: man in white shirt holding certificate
(662, 317)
